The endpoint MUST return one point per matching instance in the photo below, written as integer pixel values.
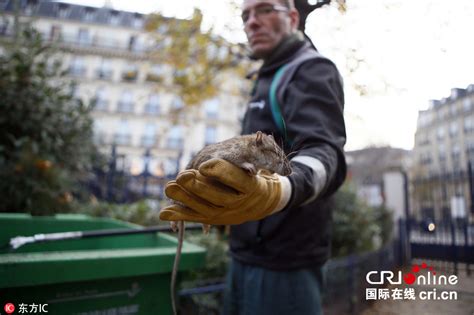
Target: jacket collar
(284, 52)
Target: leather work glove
(221, 193)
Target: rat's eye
(270, 151)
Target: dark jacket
(298, 236)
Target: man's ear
(294, 19)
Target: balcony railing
(130, 76)
(98, 42)
(122, 139)
(125, 107)
(101, 105)
(175, 143)
(77, 71)
(150, 77)
(149, 141)
(104, 74)
(152, 109)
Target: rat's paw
(174, 226)
(249, 167)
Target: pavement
(462, 305)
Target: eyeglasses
(263, 11)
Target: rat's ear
(259, 138)
(268, 140)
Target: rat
(252, 153)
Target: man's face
(266, 23)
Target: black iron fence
(345, 278)
(447, 240)
(115, 183)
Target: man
(280, 225)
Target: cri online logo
(410, 277)
(9, 308)
(378, 277)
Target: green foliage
(357, 227)
(216, 257)
(46, 142)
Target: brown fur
(258, 149)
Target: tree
(198, 59)
(46, 144)
(305, 7)
(357, 227)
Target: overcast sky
(408, 51)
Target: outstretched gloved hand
(220, 193)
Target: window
(83, 37)
(122, 135)
(63, 10)
(441, 153)
(153, 105)
(89, 15)
(55, 32)
(125, 105)
(77, 67)
(155, 74)
(212, 108)
(456, 157)
(137, 21)
(440, 133)
(468, 125)
(453, 129)
(175, 138)
(425, 158)
(422, 139)
(456, 151)
(101, 102)
(105, 70)
(31, 7)
(467, 104)
(114, 18)
(453, 109)
(211, 135)
(130, 74)
(149, 135)
(443, 113)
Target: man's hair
(290, 4)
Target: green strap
(275, 107)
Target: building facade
(444, 149)
(106, 53)
(375, 173)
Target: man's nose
(252, 20)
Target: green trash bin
(117, 275)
